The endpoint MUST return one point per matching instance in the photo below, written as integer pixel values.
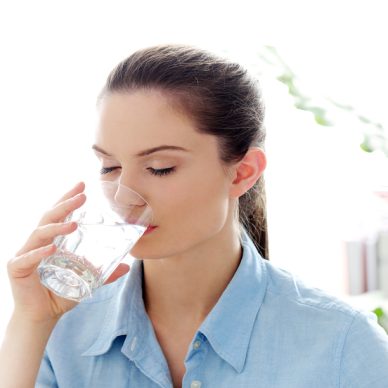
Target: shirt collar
(125, 314)
(229, 325)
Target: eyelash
(162, 171)
(153, 171)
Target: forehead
(145, 119)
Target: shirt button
(196, 345)
(195, 384)
(133, 344)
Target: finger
(45, 235)
(24, 265)
(121, 270)
(63, 209)
(78, 188)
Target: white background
(55, 57)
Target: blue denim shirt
(267, 330)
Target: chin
(156, 245)
(144, 250)
(151, 249)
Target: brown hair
(221, 98)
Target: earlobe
(248, 171)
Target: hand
(31, 299)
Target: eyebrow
(146, 152)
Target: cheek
(200, 205)
(191, 193)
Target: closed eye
(162, 171)
(106, 170)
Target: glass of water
(111, 221)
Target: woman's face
(183, 182)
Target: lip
(150, 229)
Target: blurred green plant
(382, 318)
(375, 136)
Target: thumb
(121, 270)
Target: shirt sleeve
(364, 361)
(46, 377)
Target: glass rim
(100, 204)
(127, 188)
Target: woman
(200, 308)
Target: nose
(125, 196)
(119, 195)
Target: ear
(248, 171)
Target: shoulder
(364, 354)
(286, 288)
(354, 333)
(287, 295)
(306, 320)
(313, 316)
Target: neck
(182, 290)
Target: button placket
(196, 357)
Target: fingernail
(78, 184)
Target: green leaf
(365, 146)
(379, 312)
(322, 121)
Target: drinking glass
(113, 218)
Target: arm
(22, 351)
(36, 309)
